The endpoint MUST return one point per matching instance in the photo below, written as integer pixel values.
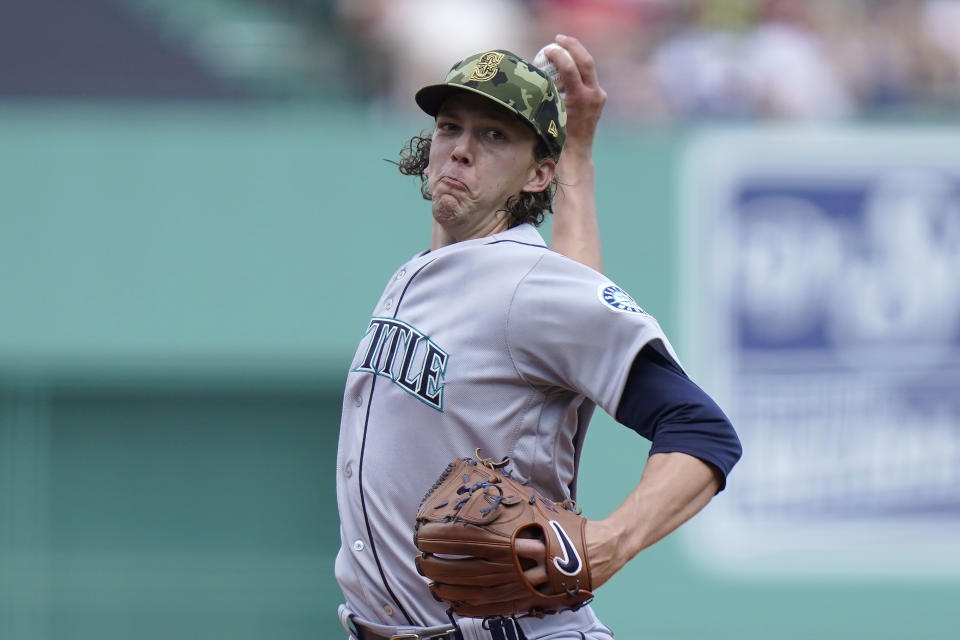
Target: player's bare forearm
(673, 488)
(575, 228)
(576, 231)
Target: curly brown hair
(526, 206)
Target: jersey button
(348, 470)
(358, 545)
(400, 275)
(387, 609)
(388, 304)
(358, 401)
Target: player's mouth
(453, 183)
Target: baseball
(543, 63)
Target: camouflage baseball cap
(512, 82)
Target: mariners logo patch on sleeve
(617, 299)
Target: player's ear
(543, 173)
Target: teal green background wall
(181, 290)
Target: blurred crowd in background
(659, 60)
(670, 59)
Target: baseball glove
(467, 529)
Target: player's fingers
(567, 68)
(531, 548)
(586, 66)
(536, 550)
(537, 575)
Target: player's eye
(496, 134)
(446, 126)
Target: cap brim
(432, 97)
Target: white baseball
(543, 63)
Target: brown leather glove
(467, 529)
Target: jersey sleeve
(571, 327)
(665, 406)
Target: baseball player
(490, 341)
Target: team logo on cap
(618, 299)
(487, 66)
(552, 129)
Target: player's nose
(463, 149)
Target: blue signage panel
(821, 305)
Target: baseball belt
(364, 631)
(499, 629)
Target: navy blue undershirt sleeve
(663, 405)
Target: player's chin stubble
(445, 208)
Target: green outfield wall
(181, 290)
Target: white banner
(821, 308)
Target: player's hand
(576, 233)
(536, 550)
(603, 550)
(583, 97)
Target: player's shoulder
(513, 250)
(570, 284)
(560, 262)
(524, 244)
(560, 268)
(521, 239)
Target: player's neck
(444, 235)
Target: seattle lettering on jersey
(407, 357)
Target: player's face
(480, 156)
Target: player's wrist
(576, 168)
(581, 153)
(604, 549)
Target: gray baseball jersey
(495, 343)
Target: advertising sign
(821, 308)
